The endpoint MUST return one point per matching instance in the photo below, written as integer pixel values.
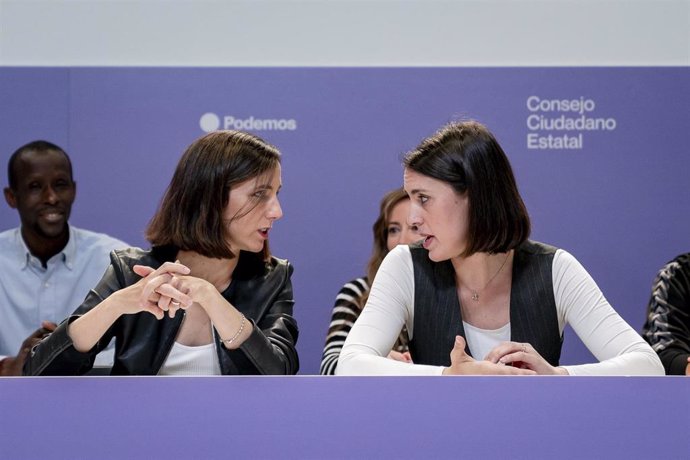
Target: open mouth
(427, 241)
(264, 231)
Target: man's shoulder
(96, 240)
(8, 240)
(9, 234)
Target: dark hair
(467, 156)
(35, 146)
(190, 216)
(380, 229)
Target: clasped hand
(522, 356)
(167, 288)
(508, 358)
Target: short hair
(468, 157)
(380, 229)
(190, 216)
(34, 146)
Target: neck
(44, 248)
(216, 271)
(477, 270)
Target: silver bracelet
(234, 337)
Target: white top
(186, 360)
(579, 302)
(482, 341)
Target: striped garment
(668, 315)
(348, 305)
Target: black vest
(438, 318)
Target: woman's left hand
(179, 286)
(198, 289)
(523, 356)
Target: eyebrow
(417, 190)
(267, 187)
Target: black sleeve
(271, 347)
(667, 328)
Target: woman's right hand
(463, 364)
(143, 295)
(88, 329)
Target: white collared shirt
(30, 293)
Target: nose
(275, 211)
(49, 195)
(413, 218)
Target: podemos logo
(212, 122)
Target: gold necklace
(475, 293)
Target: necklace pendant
(475, 296)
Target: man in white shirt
(46, 266)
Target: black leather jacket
(261, 290)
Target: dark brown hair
(190, 216)
(380, 229)
(467, 156)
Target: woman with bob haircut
(390, 230)
(476, 296)
(207, 298)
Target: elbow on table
(656, 366)
(347, 363)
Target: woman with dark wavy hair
(207, 298)
(476, 296)
(390, 230)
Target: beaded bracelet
(234, 337)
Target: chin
(255, 248)
(435, 258)
(53, 231)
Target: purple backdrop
(618, 200)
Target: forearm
(358, 360)
(55, 355)
(88, 329)
(368, 344)
(270, 346)
(233, 328)
(268, 351)
(387, 311)
(643, 362)
(618, 347)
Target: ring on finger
(524, 348)
(175, 303)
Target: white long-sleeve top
(579, 302)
